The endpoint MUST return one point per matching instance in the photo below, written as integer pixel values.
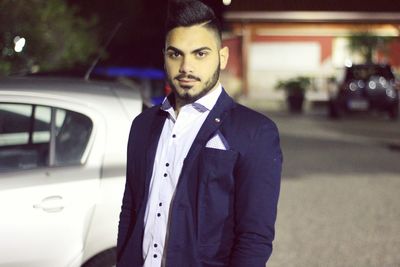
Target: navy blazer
(225, 205)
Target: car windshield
(365, 72)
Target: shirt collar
(166, 104)
(208, 101)
(205, 103)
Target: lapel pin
(217, 120)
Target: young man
(203, 172)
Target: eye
(201, 54)
(173, 54)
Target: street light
(19, 43)
(227, 2)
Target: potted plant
(295, 90)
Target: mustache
(189, 76)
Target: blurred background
(269, 41)
(340, 197)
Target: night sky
(140, 39)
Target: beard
(185, 96)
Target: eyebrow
(201, 49)
(193, 52)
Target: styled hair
(186, 13)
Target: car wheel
(107, 258)
(394, 112)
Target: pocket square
(218, 141)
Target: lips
(186, 80)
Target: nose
(186, 65)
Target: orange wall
(235, 55)
(394, 58)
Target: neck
(180, 102)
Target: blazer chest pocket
(216, 195)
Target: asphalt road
(340, 197)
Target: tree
(366, 44)
(45, 35)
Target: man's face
(193, 60)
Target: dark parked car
(364, 88)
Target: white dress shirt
(175, 141)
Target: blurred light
(353, 86)
(360, 84)
(35, 68)
(372, 84)
(383, 82)
(227, 2)
(348, 63)
(130, 72)
(390, 93)
(19, 44)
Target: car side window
(72, 137)
(34, 136)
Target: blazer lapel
(155, 133)
(210, 125)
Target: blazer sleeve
(257, 177)
(128, 214)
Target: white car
(62, 170)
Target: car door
(48, 183)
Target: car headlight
(353, 86)
(383, 82)
(390, 92)
(372, 85)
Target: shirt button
(167, 164)
(155, 255)
(165, 175)
(155, 245)
(158, 214)
(174, 135)
(160, 204)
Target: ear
(223, 57)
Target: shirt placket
(176, 142)
(165, 192)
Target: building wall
(275, 58)
(318, 50)
(394, 58)
(232, 76)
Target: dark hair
(186, 13)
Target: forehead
(191, 37)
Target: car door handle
(50, 204)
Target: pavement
(340, 195)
